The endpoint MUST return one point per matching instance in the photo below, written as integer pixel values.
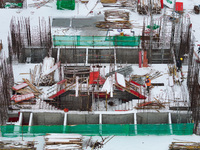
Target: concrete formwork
(82, 119)
(48, 118)
(152, 118)
(118, 118)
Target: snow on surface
(125, 142)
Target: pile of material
(143, 6)
(25, 91)
(63, 141)
(108, 1)
(113, 15)
(115, 20)
(43, 75)
(184, 145)
(20, 145)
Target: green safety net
(103, 129)
(65, 4)
(13, 5)
(169, 1)
(154, 27)
(132, 41)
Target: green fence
(104, 129)
(59, 40)
(65, 4)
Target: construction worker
(148, 83)
(179, 64)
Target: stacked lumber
(184, 145)
(143, 6)
(63, 141)
(108, 1)
(25, 91)
(19, 145)
(115, 20)
(113, 15)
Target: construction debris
(150, 105)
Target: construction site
(82, 70)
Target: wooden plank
(19, 98)
(19, 86)
(31, 86)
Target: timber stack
(115, 20)
(63, 141)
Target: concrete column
(115, 56)
(30, 120)
(135, 122)
(170, 122)
(77, 84)
(127, 106)
(120, 107)
(65, 119)
(58, 54)
(100, 118)
(130, 105)
(20, 119)
(86, 59)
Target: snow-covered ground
(126, 142)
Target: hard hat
(181, 58)
(147, 76)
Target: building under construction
(88, 78)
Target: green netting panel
(96, 40)
(104, 129)
(65, 4)
(153, 129)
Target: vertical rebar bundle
(23, 36)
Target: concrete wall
(82, 119)
(118, 119)
(152, 118)
(57, 118)
(180, 118)
(48, 118)
(26, 117)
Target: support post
(65, 119)
(100, 118)
(170, 122)
(135, 122)
(30, 120)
